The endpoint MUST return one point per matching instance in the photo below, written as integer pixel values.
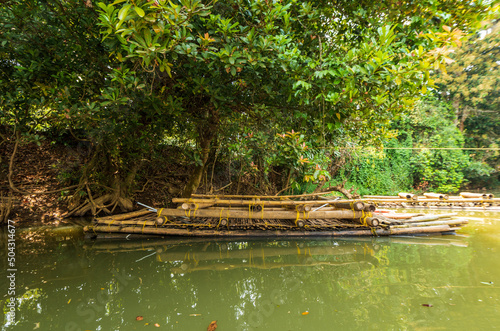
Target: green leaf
(139, 11)
(122, 14)
(102, 5)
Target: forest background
(103, 103)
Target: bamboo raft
(262, 216)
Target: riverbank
(47, 167)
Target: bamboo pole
(458, 222)
(408, 196)
(160, 220)
(428, 218)
(380, 197)
(127, 215)
(370, 208)
(401, 216)
(125, 222)
(299, 208)
(269, 234)
(239, 202)
(373, 221)
(436, 196)
(264, 214)
(195, 206)
(476, 195)
(353, 205)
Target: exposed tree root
(106, 203)
(6, 204)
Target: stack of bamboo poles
(464, 200)
(261, 216)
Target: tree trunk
(195, 179)
(465, 114)
(207, 130)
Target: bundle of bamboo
(436, 200)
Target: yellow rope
(159, 212)
(166, 220)
(109, 225)
(142, 231)
(196, 206)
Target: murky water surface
(421, 283)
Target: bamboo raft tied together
(247, 216)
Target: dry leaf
(212, 326)
(305, 313)
(157, 325)
(139, 318)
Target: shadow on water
(67, 283)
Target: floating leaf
(426, 305)
(139, 318)
(157, 325)
(212, 326)
(305, 313)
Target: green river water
(64, 282)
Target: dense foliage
(463, 113)
(274, 91)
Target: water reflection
(65, 283)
